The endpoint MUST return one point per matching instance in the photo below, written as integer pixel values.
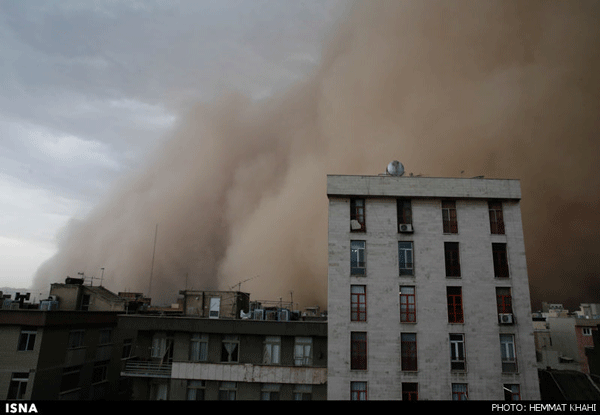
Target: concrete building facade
(224, 356)
(428, 290)
(59, 355)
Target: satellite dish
(395, 168)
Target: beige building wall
(384, 376)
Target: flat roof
(426, 187)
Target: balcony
(147, 369)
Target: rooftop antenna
(239, 284)
(96, 278)
(152, 267)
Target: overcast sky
(90, 87)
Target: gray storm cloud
(504, 89)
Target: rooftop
(412, 186)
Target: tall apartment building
(428, 290)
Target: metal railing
(140, 368)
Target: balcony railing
(140, 368)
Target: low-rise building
(562, 338)
(73, 294)
(54, 355)
(209, 354)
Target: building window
(358, 351)
(18, 386)
(303, 351)
(410, 391)
(100, 372)
(105, 336)
(357, 215)
(512, 392)
(404, 211)
(408, 310)
(230, 348)
(357, 258)
(199, 347)
(405, 258)
(195, 390)
(272, 350)
(496, 218)
(227, 391)
(302, 392)
(408, 351)
(215, 307)
(500, 260)
(455, 306)
(358, 391)
(75, 339)
(70, 378)
(162, 347)
(26, 340)
(452, 259)
(127, 346)
(449, 221)
(358, 303)
(159, 391)
(85, 302)
(270, 392)
(504, 300)
(587, 331)
(507, 351)
(459, 392)
(457, 352)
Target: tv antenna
(96, 278)
(239, 284)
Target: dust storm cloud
(505, 89)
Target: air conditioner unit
(506, 318)
(259, 314)
(405, 228)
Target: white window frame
(159, 391)
(302, 392)
(231, 344)
(26, 340)
(358, 259)
(508, 352)
(402, 252)
(18, 384)
(457, 347)
(199, 347)
(193, 387)
(215, 307)
(227, 391)
(270, 391)
(303, 351)
(272, 350)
